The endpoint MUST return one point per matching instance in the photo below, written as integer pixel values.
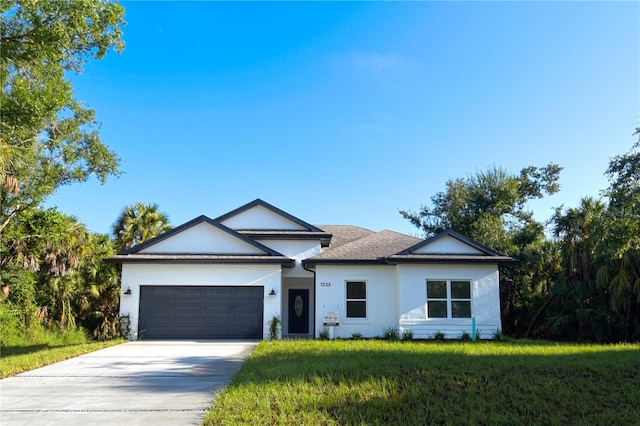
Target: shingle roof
(352, 244)
(346, 244)
(343, 234)
(375, 247)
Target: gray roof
(374, 247)
(352, 244)
(343, 234)
(340, 244)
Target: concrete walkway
(136, 383)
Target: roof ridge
(344, 225)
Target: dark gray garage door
(189, 312)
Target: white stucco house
(227, 278)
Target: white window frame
(347, 300)
(449, 299)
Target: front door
(298, 311)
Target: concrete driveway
(136, 383)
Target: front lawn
(380, 382)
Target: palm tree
(139, 223)
(620, 275)
(574, 292)
(578, 230)
(620, 270)
(9, 184)
(101, 295)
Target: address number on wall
(325, 284)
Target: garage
(201, 312)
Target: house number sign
(325, 284)
(331, 318)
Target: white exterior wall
(203, 238)
(331, 294)
(136, 275)
(485, 299)
(295, 249)
(260, 217)
(447, 245)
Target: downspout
(315, 299)
(397, 290)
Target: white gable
(203, 238)
(260, 217)
(447, 245)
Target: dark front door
(298, 311)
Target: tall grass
(379, 382)
(25, 348)
(14, 333)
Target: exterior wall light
(128, 291)
(272, 292)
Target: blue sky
(345, 113)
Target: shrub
(324, 334)
(465, 337)
(356, 336)
(407, 335)
(125, 326)
(391, 334)
(274, 328)
(439, 335)
(13, 331)
(497, 335)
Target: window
(448, 299)
(356, 299)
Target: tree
(488, 205)
(578, 230)
(47, 138)
(620, 250)
(99, 310)
(578, 307)
(43, 252)
(138, 223)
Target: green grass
(378, 382)
(25, 357)
(24, 348)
